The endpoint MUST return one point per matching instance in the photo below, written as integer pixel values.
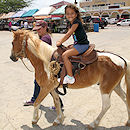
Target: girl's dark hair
(48, 30)
(72, 6)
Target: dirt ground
(81, 106)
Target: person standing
(43, 32)
(26, 25)
(21, 25)
(10, 24)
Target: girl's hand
(58, 43)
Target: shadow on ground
(51, 115)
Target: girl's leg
(67, 63)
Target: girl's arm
(67, 35)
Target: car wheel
(118, 25)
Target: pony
(108, 70)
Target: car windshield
(123, 20)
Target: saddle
(78, 62)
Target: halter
(22, 52)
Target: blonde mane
(39, 48)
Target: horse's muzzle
(13, 58)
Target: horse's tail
(127, 80)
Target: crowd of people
(29, 24)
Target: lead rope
(23, 51)
(26, 66)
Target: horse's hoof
(90, 127)
(128, 124)
(34, 122)
(55, 124)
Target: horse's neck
(35, 61)
(38, 65)
(41, 50)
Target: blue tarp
(18, 14)
(30, 13)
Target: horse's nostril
(13, 58)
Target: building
(107, 8)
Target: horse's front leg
(60, 115)
(44, 91)
(35, 114)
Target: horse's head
(18, 45)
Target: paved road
(81, 106)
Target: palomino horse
(108, 71)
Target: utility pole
(75, 2)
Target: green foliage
(13, 5)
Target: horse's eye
(12, 43)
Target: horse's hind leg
(127, 79)
(120, 92)
(60, 116)
(105, 106)
(106, 103)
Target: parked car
(1, 25)
(17, 25)
(4, 24)
(102, 21)
(120, 19)
(111, 20)
(125, 22)
(86, 19)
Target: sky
(38, 4)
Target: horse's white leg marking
(128, 122)
(35, 114)
(105, 106)
(127, 79)
(120, 92)
(60, 115)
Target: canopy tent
(2, 15)
(61, 10)
(59, 4)
(44, 11)
(42, 17)
(18, 14)
(30, 13)
(6, 16)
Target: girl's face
(70, 14)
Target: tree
(7, 6)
